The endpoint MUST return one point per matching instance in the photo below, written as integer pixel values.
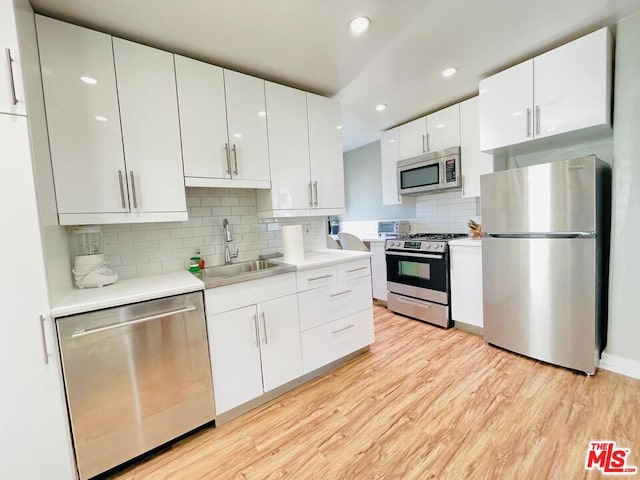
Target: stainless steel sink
(242, 272)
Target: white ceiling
(307, 43)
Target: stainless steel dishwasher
(136, 377)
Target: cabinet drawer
(359, 268)
(326, 343)
(325, 304)
(316, 277)
(237, 295)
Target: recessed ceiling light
(359, 25)
(262, 113)
(440, 125)
(449, 72)
(339, 127)
(380, 107)
(89, 80)
(517, 113)
(100, 118)
(237, 135)
(393, 140)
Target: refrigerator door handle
(544, 235)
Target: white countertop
(466, 242)
(126, 291)
(329, 256)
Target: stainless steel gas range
(418, 276)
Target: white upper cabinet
(305, 148)
(150, 127)
(92, 105)
(474, 162)
(288, 148)
(83, 118)
(389, 156)
(223, 124)
(506, 107)
(325, 152)
(567, 89)
(413, 138)
(443, 129)
(12, 99)
(203, 120)
(572, 85)
(247, 125)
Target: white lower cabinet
(335, 319)
(378, 270)
(256, 347)
(466, 283)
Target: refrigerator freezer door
(551, 197)
(539, 298)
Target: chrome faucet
(228, 238)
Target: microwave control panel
(450, 170)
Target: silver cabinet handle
(428, 147)
(315, 189)
(264, 325)
(357, 269)
(320, 278)
(424, 149)
(528, 122)
(228, 158)
(340, 293)
(343, 329)
(82, 333)
(255, 325)
(133, 190)
(121, 188)
(12, 82)
(235, 159)
(44, 340)
(537, 119)
(310, 196)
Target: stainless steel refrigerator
(545, 260)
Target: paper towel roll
(292, 244)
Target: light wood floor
(424, 403)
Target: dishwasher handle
(82, 333)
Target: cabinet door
(506, 107)
(466, 284)
(11, 89)
(474, 162)
(83, 119)
(288, 147)
(443, 128)
(234, 345)
(150, 127)
(572, 85)
(413, 138)
(325, 151)
(33, 424)
(280, 331)
(203, 119)
(247, 125)
(389, 156)
(378, 270)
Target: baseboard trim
(618, 364)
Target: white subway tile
(199, 211)
(157, 234)
(181, 233)
(150, 246)
(131, 236)
(149, 269)
(118, 248)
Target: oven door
(419, 275)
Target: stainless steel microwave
(430, 172)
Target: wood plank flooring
(424, 403)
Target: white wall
(150, 248)
(624, 316)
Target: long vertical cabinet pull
(124, 205)
(235, 159)
(528, 122)
(228, 158)
(537, 119)
(257, 329)
(264, 325)
(424, 149)
(428, 147)
(315, 190)
(310, 195)
(12, 82)
(133, 190)
(44, 340)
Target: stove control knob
(427, 245)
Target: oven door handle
(416, 255)
(415, 302)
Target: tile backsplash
(141, 249)
(444, 212)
